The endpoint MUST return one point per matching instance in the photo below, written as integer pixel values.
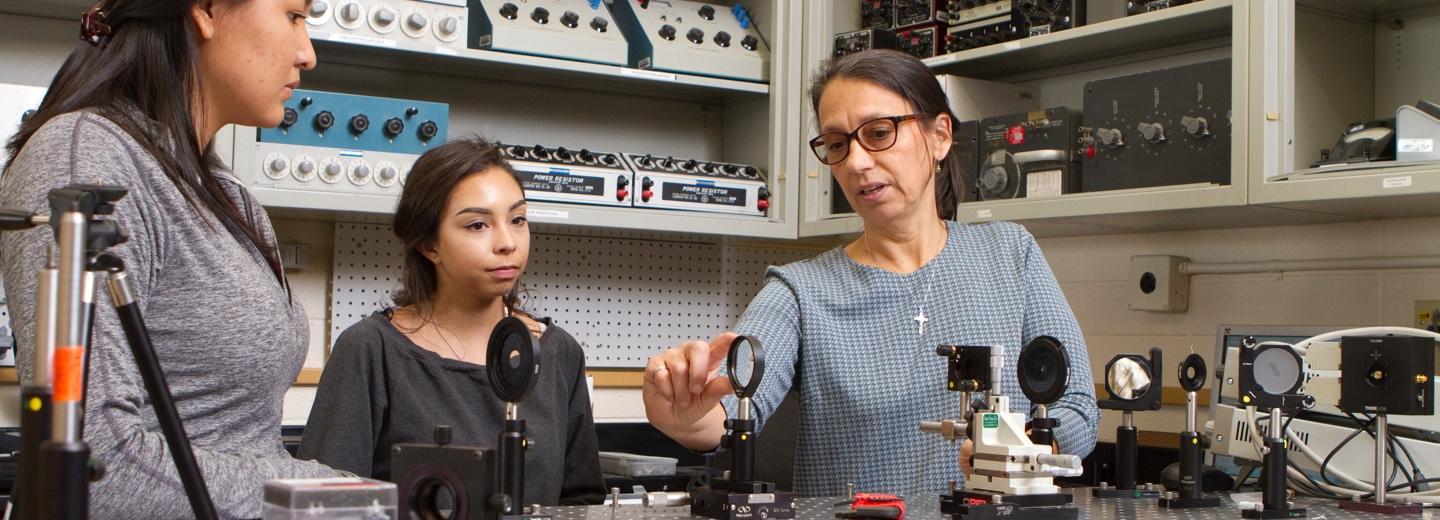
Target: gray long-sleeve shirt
(229, 336)
(845, 335)
(380, 389)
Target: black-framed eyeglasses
(875, 135)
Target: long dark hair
(145, 77)
(422, 203)
(909, 78)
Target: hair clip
(93, 28)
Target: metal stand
(1013, 476)
(1042, 427)
(512, 362)
(64, 307)
(1127, 446)
(1190, 495)
(1272, 475)
(737, 495)
(1380, 505)
(725, 498)
(512, 464)
(1127, 455)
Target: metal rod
(997, 365)
(1336, 264)
(512, 411)
(46, 301)
(1277, 424)
(148, 363)
(742, 411)
(1189, 411)
(69, 355)
(1380, 442)
(1127, 419)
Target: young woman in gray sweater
(137, 105)
(399, 372)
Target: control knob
(416, 22)
(383, 18)
(318, 9)
(350, 13)
(324, 120)
(359, 124)
(1153, 132)
(1110, 137)
(1195, 126)
(393, 127)
(428, 130)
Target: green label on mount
(990, 420)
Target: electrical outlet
(1427, 315)
(295, 257)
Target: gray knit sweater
(844, 334)
(229, 336)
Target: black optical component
(511, 360)
(1043, 370)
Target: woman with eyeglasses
(854, 330)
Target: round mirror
(745, 365)
(1277, 369)
(1128, 378)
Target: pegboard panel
(365, 269)
(624, 295)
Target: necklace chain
(438, 333)
(919, 318)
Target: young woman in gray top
(855, 329)
(395, 375)
(137, 105)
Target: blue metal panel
(421, 125)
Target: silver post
(997, 365)
(1380, 438)
(1127, 419)
(121, 292)
(743, 409)
(965, 398)
(69, 352)
(1190, 411)
(1041, 412)
(512, 411)
(45, 314)
(1277, 424)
